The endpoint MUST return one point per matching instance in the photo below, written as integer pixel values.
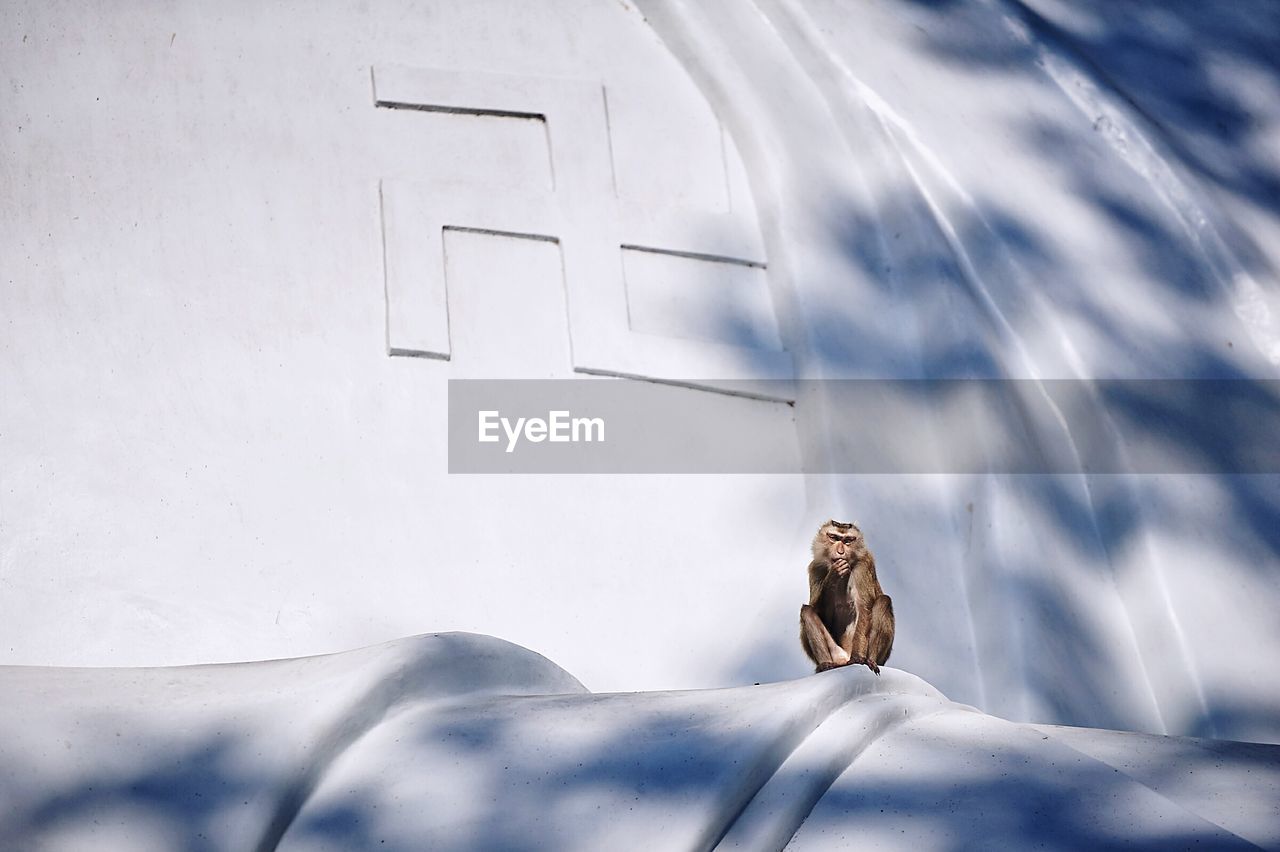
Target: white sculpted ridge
(459, 741)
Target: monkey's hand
(840, 567)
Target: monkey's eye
(833, 537)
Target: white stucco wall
(208, 454)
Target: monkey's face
(837, 541)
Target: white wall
(207, 453)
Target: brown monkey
(848, 618)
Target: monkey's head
(838, 541)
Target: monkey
(848, 619)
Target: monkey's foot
(865, 661)
(822, 667)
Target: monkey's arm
(824, 577)
(815, 636)
(817, 580)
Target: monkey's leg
(880, 636)
(825, 652)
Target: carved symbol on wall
(601, 241)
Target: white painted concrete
(208, 454)
(961, 190)
(459, 742)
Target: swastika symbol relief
(638, 281)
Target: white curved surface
(1030, 191)
(464, 742)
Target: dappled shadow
(162, 793)
(642, 770)
(463, 742)
(645, 770)
(675, 770)
(962, 285)
(1022, 811)
(1200, 77)
(662, 770)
